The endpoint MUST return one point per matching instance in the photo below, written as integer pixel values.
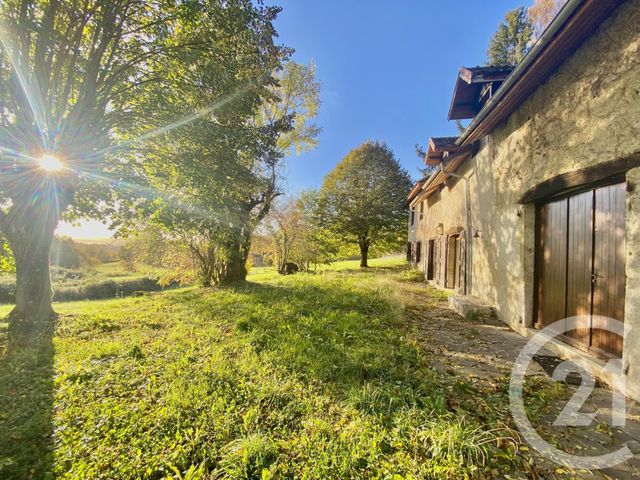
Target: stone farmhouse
(534, 210)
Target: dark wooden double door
(581, 265)
(446, 261)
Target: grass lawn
(306, 376)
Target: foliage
(362, 199)
(316, 244)
(203, 177)
(296, 235)
(93, 81)
(306, 376)
(64, 254)
(284, 225)
(218, 174)
(510, 43)
(7, 263)
(296, 97)
(68, 74)
(541, 13)
(96, 253)
(147, 245)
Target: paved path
(481, 352)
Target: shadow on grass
(349, 340)
(26, 403)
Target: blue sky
(387, 70)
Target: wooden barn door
(581, 265)
(430, 259)
(452, 261)
(609, 278)
(462, 265)
(440, 260)
(552, 262)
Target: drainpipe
(558, 22)
(468, 235)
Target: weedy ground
(320, 375)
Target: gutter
(554, 27)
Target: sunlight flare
(50, 164)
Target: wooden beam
(584, 177)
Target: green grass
(118, 270)
(259, 274)
(305, 376)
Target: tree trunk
(29, 226)
(238, 254)
(364, 253)
(33, 310)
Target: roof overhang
(438, 178)
(438, 147)
(465, 102)
(577, 21)
(415, 191)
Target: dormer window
(474, 87)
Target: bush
(71, 285)
(7, 289)
(106, 289)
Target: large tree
(68, 73)
(72, 76)
(362, 199)
(294, 103)
(212, 181)
(510, 43)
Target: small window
(408, 251)
(413, 217)
(421, 210)
(418, 252)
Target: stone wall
(631, 356)
(444, 207)
(588, 112)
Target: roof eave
(573, 24)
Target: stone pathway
(482, 351)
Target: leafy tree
(316, 244)
(362, 199)
(290, 112)
(541, 13)
(211, 182)
(295, 234)
(148, 246)
(284, 225)
(69, 73)
(511, 41)
(64, 253)
(7, 264)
